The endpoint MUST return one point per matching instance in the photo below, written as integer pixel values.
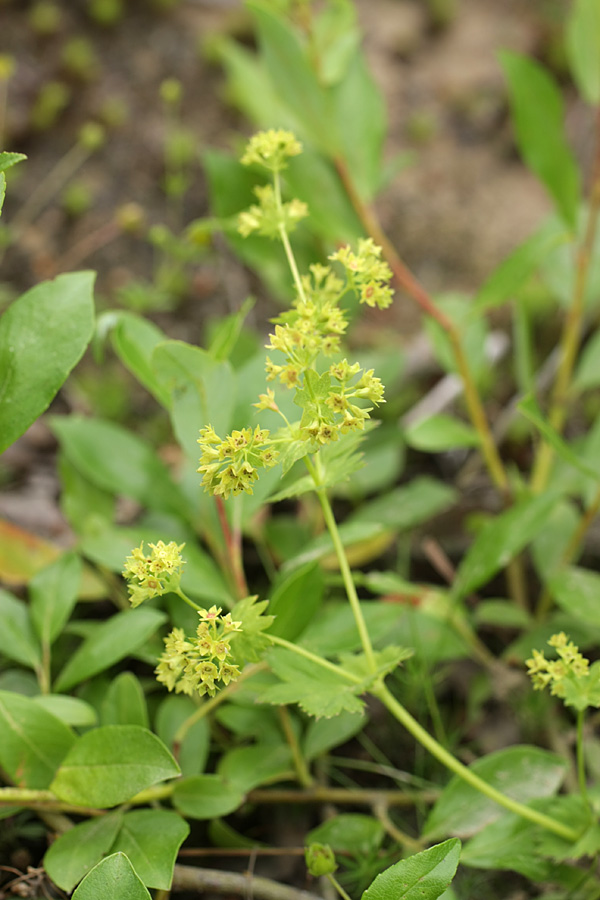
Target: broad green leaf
(245, 768)
(53, 594)
(86, 507)
(531, 411)
(538, 113)
(577, 591)
(505, 844)
(506, 280)
(362, 125)
(78, 850)
(313, 178)
(336, 39)
(583, 48)
(522, 773)
(110, 642)
(294, 79)
(17, 638)
(500, 540)
(22, 554)
(318, 691)
(351, 833)
(228, 330)
(548, 548)
(114, 877)
(502, 614)
(194, 748)
(34, 742)
(424, 876)
(43, 335)
(440, 432)
(206, 797)
(151, 839)
(124, 703)
(110, 765)
(408, 505)
(134, 339)
(323, 735)
(202, 391)
(296, 600)
(70, 710)
(119, 462)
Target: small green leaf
(53, 594)
(583, 48)
(124, 703)
(134, 339)
(531, 411)
(587, 373)
(111, 641)
(538, 114)
(70, 710)
(206, 796)
(522, 773)
(111, 764)
(577, 591)
(34, 742)
(245, 768)
(500, 540)
(323, 735)
(43, 335)
(8, 159)
(194, 748)
(439, 433)
(78, 850)
(17, 638)
(424, 876)
(351, 833)
(506, 844)
(151, 838)
(114, 877)
(407, 506)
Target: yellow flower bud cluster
(153, 574)
(267, 217)
(555, 672)
(271, 149)
(200, 664)
(367, 273)
(228, 465)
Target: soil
(459, 208)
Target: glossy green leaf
(577, 591)
(114, 877)
(500, 540)
(111, 764)
(194, 748)
(71, 710)
(17, 638)
(522, 772)
(114, 639)
(294, 79)
(206, 796)
(43, 335)
(538, 113)
(352, 833)
(34, 742)
(151, 838)
(583, 47)
(423, 876)
(125, 703)
(439, 433)
(118, 461)
(507, 279)
(295, 600)
(245, 768)
(134, 339)
(53, 594)
(75, 852)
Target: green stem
(581, 761)
(304, 776)
(337, 886)
(285, 239)
(187, 599)
(447, 759)
(345, 570)
(319, 660)
(42, 800)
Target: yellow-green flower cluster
(267, 217)
(271, 149)
(367, 273)
(556, 672)
(228, 465)
(200, 664)
(153, 574)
